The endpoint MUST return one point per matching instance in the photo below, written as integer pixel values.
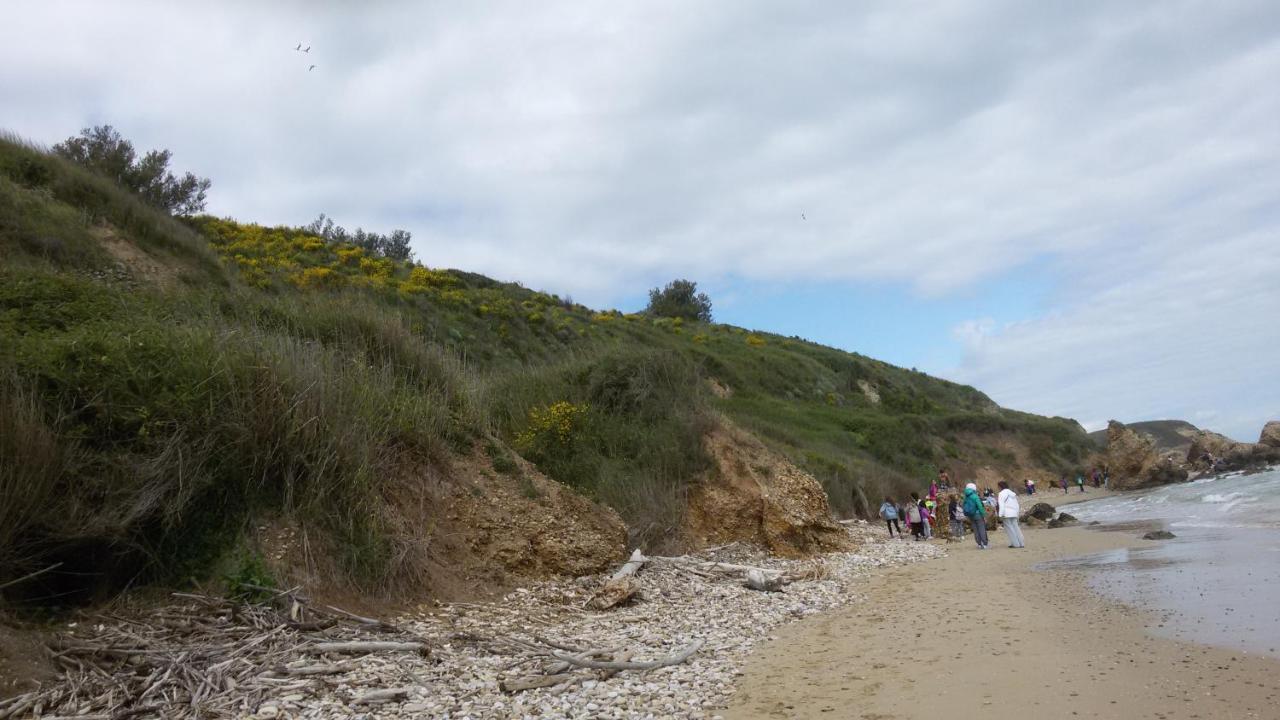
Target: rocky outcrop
(1212, 452)
(1159, 535)
(1040, 511)
(1134, 462)
(754, 495)
(1207, 444)
(1270, 434)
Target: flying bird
(308, 49)
(299, 47)
(313, 67)
(802, 217)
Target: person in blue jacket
(889, 511)
(977, 514)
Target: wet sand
(982, 634)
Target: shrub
(103, 150)
(552, 430)
(680, 299)
(394, 245)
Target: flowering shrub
(552, 428)
(316, 277)
(265, 256)
(756, 341)
(424, 280)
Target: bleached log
(365, 647)
(674, 659)
(632, 566)
(757, 580)
(532, 682)
(304, 670)
(375, 697)
(617, 591)
(623, 656)
(372, 622)
(622, 586)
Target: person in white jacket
(1007, 501)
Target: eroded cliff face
(1211, 451)
(1134, 461)
(1270, 434)
(757, 496)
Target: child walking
(889, 511)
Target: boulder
(1127, 455)
(1134, 462)
(1063, 520)
(1041, 511)
(1159, 535)
(1207, 443)
(1270, 434)
(1164, 472)
(1032, 521)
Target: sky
(1072, 205)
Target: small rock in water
(1159, 535)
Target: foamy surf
(1218, 581)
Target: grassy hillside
(1169, 434)
(165, 383)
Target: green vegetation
(144, 425)
(102, 150)
(680, 299)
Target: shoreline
(978, 632)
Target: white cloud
(597, 149)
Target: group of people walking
(1099, 478)
(920, 513)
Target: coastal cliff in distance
(1138, 459)
(1167, 434)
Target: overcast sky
(1074, 206)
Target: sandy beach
(986, 633)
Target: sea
(1218, 581)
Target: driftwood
(533, 682)
(617, 591)
(623, 656)
(201, 657)
(674, 659)
(371, 622)
(622, 586)
(305, 670)
(376, 697)
(373, 646)
(632, 566)
(758, 580)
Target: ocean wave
(1223, 498)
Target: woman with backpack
(915, 516)
(889, 511)
(977, 514)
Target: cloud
(597, 149)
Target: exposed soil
(133, 259)
(757, 496)
(467, 532)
